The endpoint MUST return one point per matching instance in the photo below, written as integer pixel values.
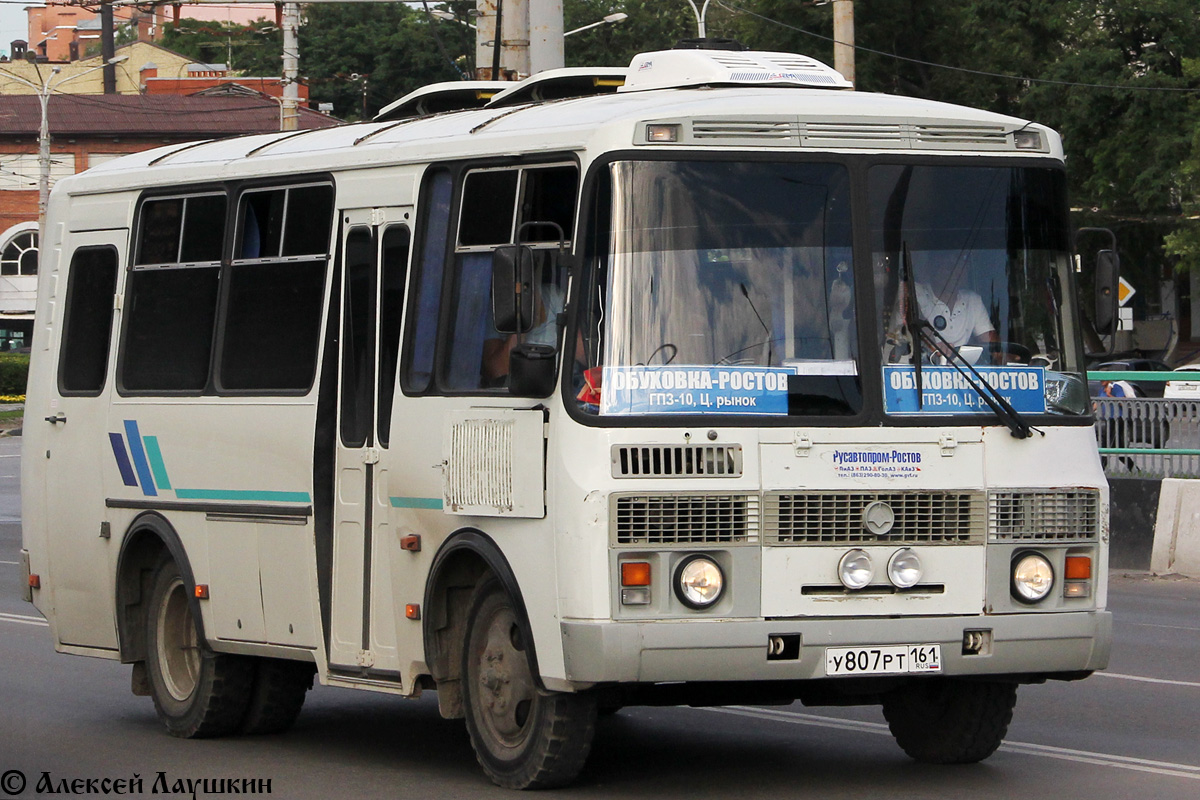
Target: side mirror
(1108, 276)
(512, 288)
(531, 370)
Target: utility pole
(843, 38)
(108, 49)
(290, 107)
(530, 38)
(545, 35)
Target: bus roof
(770, 117)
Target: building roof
(156, 115)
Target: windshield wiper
(912, 319)
(919, 331)
(1017, 426)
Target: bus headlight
(1032, 577)
(904, 569)
(699, 582)
(855, 570)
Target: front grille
(676, 461)
(685, 519)
(1044, 515)
(837, 517)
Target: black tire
(277, 696)
(946, 721)
(524, 738)
(197, 693)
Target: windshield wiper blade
(912, 319)
(1017, 426)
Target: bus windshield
(727, 288)
(978, 258)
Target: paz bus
(726, 385)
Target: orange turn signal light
(201, 591)
(35, 581)
(635, 573)
(1078, 568)
(412, 611)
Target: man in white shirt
(958, 314)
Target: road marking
(23, 619)
(1155, 625)
(1025, 748)
(1193, 684)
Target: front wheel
(196, 693)
(946, 721)
(524, 737)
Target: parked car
(1184, 390)
(1143, 388)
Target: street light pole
(44, 91)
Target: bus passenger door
(76, 433)
(375, 248)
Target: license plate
(894, 659)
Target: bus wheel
(277, 696)
(944, 721)
(196, 693)
(524, 738)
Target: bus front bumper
(1028, 645)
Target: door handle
(54, 419)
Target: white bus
(731, 386)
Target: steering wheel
(663, 348)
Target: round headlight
(855, 570)
(1032, 577)
(904, 569)
(699, 582)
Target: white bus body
(266, 421)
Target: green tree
(391, 48)
(254, 50)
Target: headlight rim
(677, 581)
(842, 571)
(1017, 558)
(892, 561)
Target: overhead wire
(1052, 81)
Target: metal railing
(1148, 437)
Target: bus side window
(394, 260)
(272, 321)
(496, 204)
(87, 330)
(427, 294)
(171, 297)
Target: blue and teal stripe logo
(140, 461)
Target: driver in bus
(955, 312)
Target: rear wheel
(277, 695)
(196, 693)
(524, 737)
(945, 721)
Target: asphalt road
(1133, 731)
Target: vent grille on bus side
(685, 519)
(479, 469)
(837, 517)
(1039, 516)
(677, 461)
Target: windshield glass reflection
(720, 275)
(982, 255)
